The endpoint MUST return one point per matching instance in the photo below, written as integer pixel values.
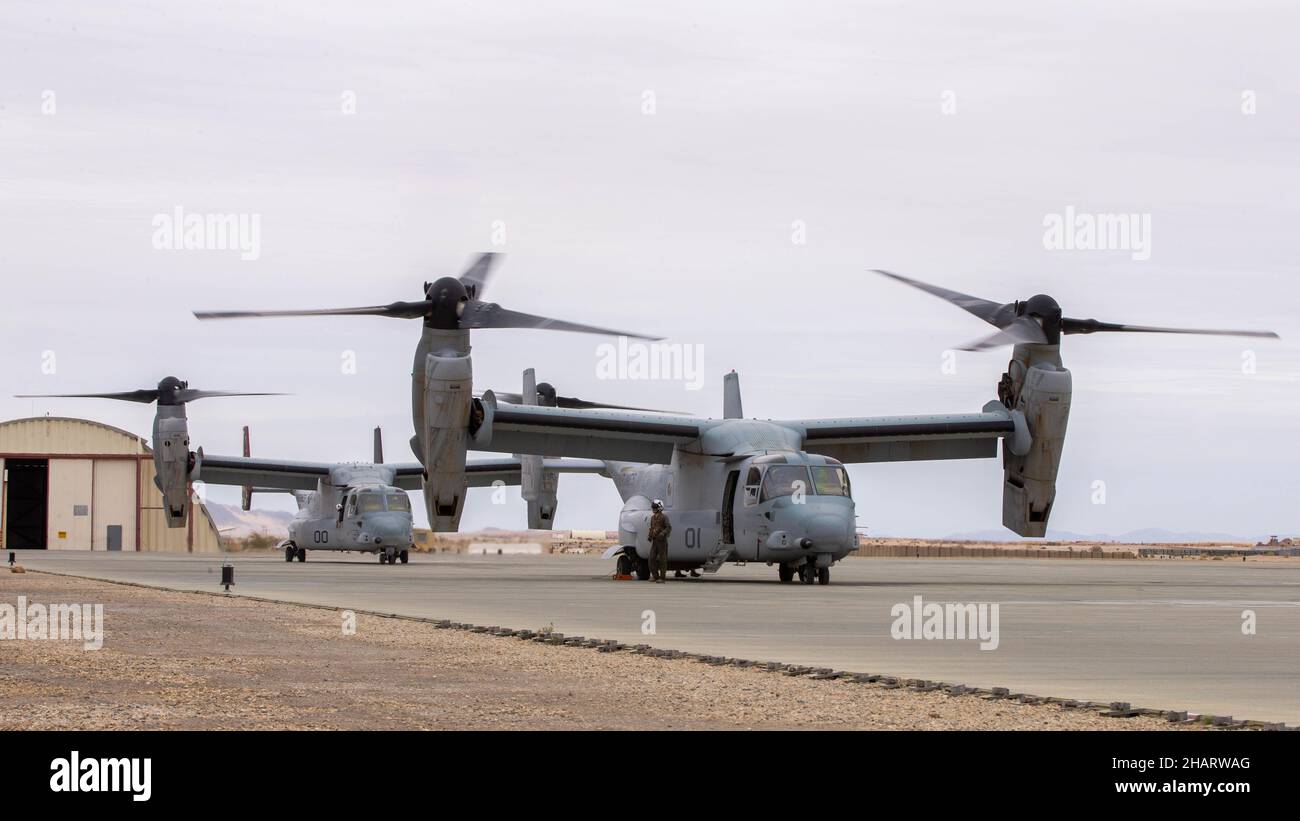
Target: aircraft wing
(909, 438)
(261, 473)
(593, 434)
(488, 471)
(408, 475)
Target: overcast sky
(654, 168)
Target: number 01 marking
(692, 538)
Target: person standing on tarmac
(660, 529)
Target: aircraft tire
(823, 575)
(383, 557)
(786, 573)
(405, 556)
(807, 573)
(289, 550)
(643, 569)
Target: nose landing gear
(808, 574)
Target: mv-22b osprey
(342, 506)
(448, 418)
(741, 489)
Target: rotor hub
(448, 298)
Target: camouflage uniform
(660, 529)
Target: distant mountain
(237, 523)
(1148, 535)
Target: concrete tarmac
(1164, 634)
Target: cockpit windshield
(830, 481)
(373, 501)
(785, 480)
(370, 502)
(399, 502)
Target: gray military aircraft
(342, 506)
(447, 416)
(742, 489)
(352, 506)
(745, 490)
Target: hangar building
(74, 484)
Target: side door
(729, 507)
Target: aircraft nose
(827, 532)
(390, 529)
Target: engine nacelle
(448, 409)
(540, 489)
(173, 464)
(1039, 386)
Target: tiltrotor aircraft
(342, 506)
(739, 489)
(447, 417)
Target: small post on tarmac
(227, 575)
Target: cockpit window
(831, 481)
(399, 502)
(370, 502)
(785, 480)
(752, 483)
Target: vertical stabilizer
(731, 405)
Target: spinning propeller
(170, 391)
(1038, 320)
(449, 304)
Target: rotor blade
(397, 310)
(490, 315)
(1023, 330)
(1019, 332)
(476, 276)
(187, 395)
(982, 308)
(145, 396)
(1092, 326)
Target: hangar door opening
(26, 500)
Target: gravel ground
(191, 661)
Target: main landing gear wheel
(823, 575)
(786, 573)
(405, 556)
(392, 555)
(643, 569)
(807, 573)
(302, 554)
(383, 557)
(289, 550)
(624, 565)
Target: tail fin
(246, 492)
(536, 486)
(379, 446)
(731, 405)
